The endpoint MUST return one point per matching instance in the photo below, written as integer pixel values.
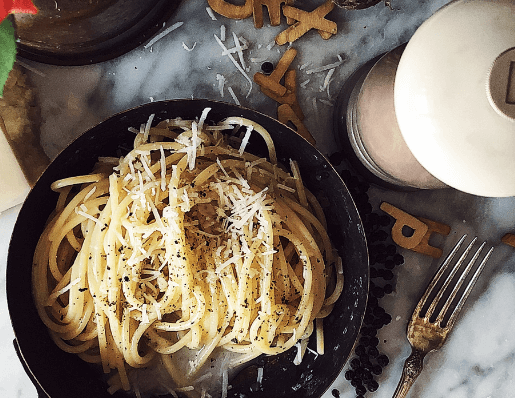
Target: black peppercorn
(372, 385)
(379, 311)
(360, 350)
(373, 352)
(383, 360)
(361, 390)
(355, 363)
(356, 382)
(386, 319)
(267, 67)
(398, 259)
(389, 264)
(388, 288)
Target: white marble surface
(477, 361)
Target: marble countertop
(478, 359)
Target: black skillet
(83, 32)
(61, 375)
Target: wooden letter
(231, 10)
(274, 11)
(422, 231)
(509, 239)
(273, 81)
(286, 114)
(290, 97)
(307, 21)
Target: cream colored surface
(13, 184)
(441, 97)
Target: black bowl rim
(101, 50)
(359, 288)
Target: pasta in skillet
(184, 248)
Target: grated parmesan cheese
(222, 32)
(211, 14)
(235, 99)
(240, 69)
(189, 48)
(245, 140)
(163, 34)
(221, 83)
(239, 50)
(57, 293)
(326, 67)
(327, 79)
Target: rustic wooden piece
(422, 228)
(274, 11)
(509, 239)
(286, 115)
(307, 21)
(271, 85)
(290, 97)
(433, 227)
(232, 11)
(403, 219)
(272, 81)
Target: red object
(16, 6)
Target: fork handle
(412, 368)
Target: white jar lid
(454, 96)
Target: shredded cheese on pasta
(188, 244)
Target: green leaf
(7, 51)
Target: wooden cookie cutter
(422, 228)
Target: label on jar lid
(501, 84)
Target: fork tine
(437, 277)
(469, 287)
(449, 278)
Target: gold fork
(428, 329)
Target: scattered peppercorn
(267, 67)
(383, 258)
(360, 390)
(383, 360)
(372, 385)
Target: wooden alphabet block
(307, 21)
(232, 11)
(422, 229)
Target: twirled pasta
(185, 244)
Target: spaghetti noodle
(186, 245)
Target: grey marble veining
(477, 360)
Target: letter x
(307, 21)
